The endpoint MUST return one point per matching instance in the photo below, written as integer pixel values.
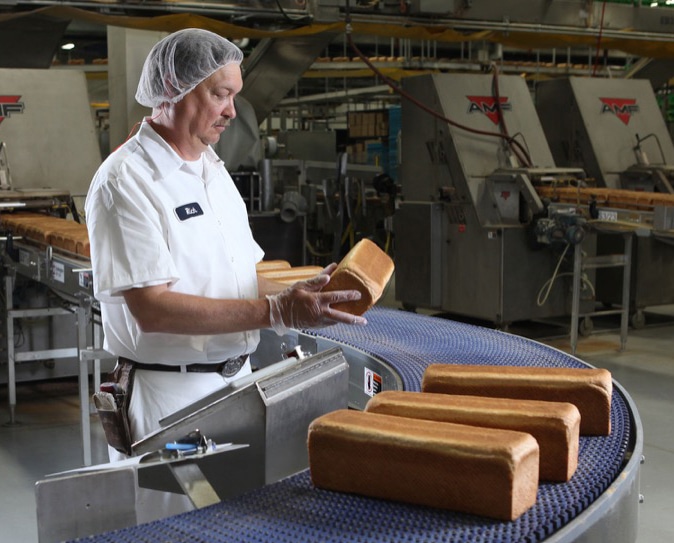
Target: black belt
(228, 368)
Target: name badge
(188, 211)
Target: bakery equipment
(43, 261)
(465, 229)
(473, 235)
(5, 173)
(48, 156)
(268, 410)
(616, 132)
(49, 130)
(266, 414)
(599, 503)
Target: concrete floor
(46, 438)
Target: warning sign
(372, 382)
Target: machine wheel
(638, 319)
(585, 327)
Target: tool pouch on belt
(112, 405)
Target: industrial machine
(473, 237)
(265, 414)
(43, 280)
(616, 132)
(46, 122)
(39, 282)
(48, 155)
(479, 232)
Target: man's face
(204, 113)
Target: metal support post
(87, 354)
(83, 378)
(575, 300)
(580, 264)
(11, 370)
(624, 317)
(12, 356)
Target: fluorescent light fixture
(68, 46)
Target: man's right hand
(303, 305)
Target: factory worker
(172, 251)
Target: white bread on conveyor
(365, 268)
(71, 236)
(555, 425)
(41, 228)
(46, 229)
(589, 389)
(17, 222)
(481, 471)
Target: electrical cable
(525, 160)
(583, 278)
(555, 275)
(552, 279)
(599, 36)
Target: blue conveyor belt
(293, 511)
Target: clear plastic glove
(303, 305)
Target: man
(172, 252)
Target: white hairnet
(181, 61)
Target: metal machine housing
(464, 231)
(615, 131)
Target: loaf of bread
(288, 276)
(619, 198)
(554, 425)
(365, 268)
(482, 471)
(40, 229)
(18, 222)
(84, 247)
(70, 236)
(267, 265)
(48, 230)
(588, 389)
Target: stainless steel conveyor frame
(70, 277)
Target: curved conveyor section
(599, 503)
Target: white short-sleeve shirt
(153, 220)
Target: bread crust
(365, 268)
(481, 471)
(265, 265)
(291, 275)
(589, 389)
(554, 425)
(61, 233)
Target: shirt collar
(165, 159)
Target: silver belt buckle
(232, 367)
